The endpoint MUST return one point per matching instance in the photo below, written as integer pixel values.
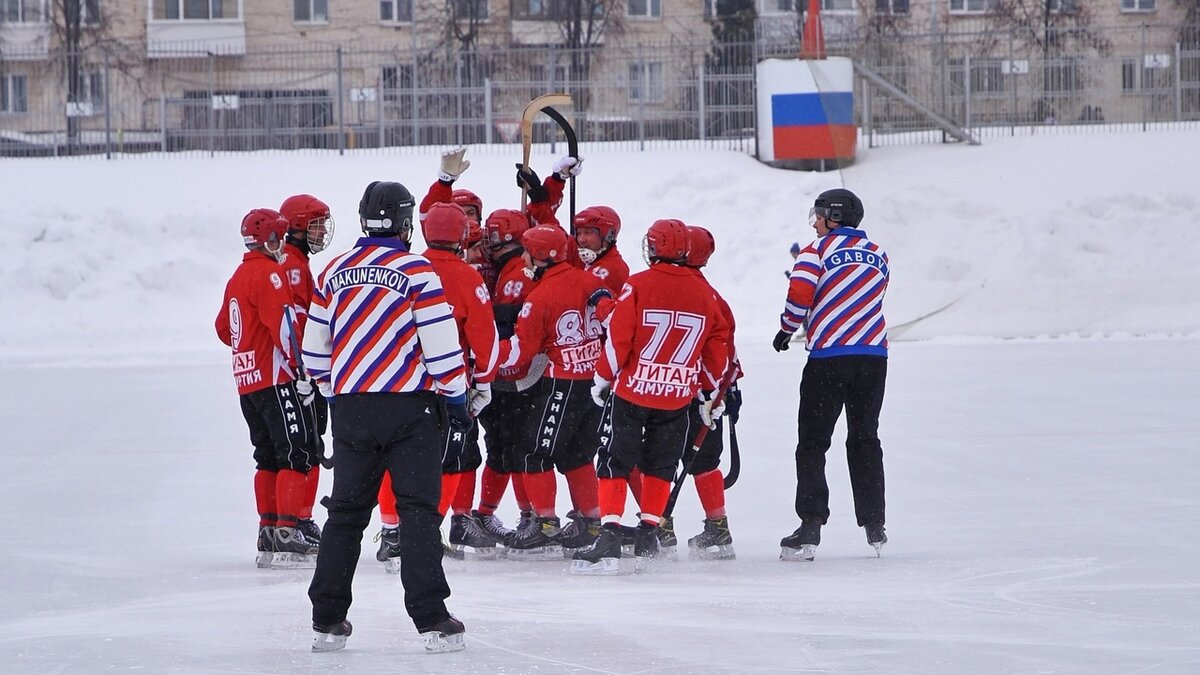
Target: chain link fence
(115, 100)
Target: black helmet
(841, 206)
(387, 209)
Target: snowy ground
(1042, 491)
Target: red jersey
(513, 285)
(439, 193)
(727, 312)
(557, 321)
(299, 277)
(254, 322)
(667, 338)
(610, 268)
(468, 297)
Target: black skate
(539, 541)
(332, 637)
(602, 557)
(526, 522)
(447, 635)
(876, 536)
(468, 536)
(266, 546)
(492, 526)
(667, 541)
(714, 543)
(580, 533)
(801, 545)
(293, 550)
(645, 546)
(389, 549)
(628, 538)
(310, 529)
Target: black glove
(733, 403)
(528, 179)
(460, 416)
(782, 341)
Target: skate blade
(878, 549)
(294, 561)
(264, 559)
(328, 643)
(627, 550)
(668, 553)
(392, 565)
(605, 567)
(482, 553)
(440, 643)
(805, 553)
(645, 563)
(719, 552)
(535, 554)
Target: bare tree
(583, 25)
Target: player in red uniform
(665, 333)
(444, 228)
(596, 230)
(558, 321)
(714, 542)
(310, 229)
(256, 322)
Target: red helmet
(505, 226)
(602, 218)
(465, 198)
(667, 240)
(444, 224)
(700, 246)
(308, 219)
(545, 243)
(474, 233)
(264, 228)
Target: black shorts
(709, 455)
(646, 438)
(460, 449)
(282, 430)
(506, 427)
(567, 425)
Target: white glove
(326, 390)
(600, 387)
(453, 165)
(478, 398)
(709, 414)
(304, 387)
(568, 166)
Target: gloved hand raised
(304, 387)
(568, 166)
(782, 341)
(600, 390)
(453, 165)
(478, 398)
(528, 179)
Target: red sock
(655, 492)
(518, 482)
(311, 480)
(449, 488)
(290, 490)
(542, 489)
(612, 499)
(491, 490)
(465, 496)
(584, 489)
(635, 484)
(264, 496)
(387, 502)
(710, 486)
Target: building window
(645, 8)
(22, 11)
(396, 11)
(1062, 76)
(91, 88)
(91, 12)
(987, 76)
(195, 10)
(891, 6)
(311, 11)
(396, 79)
(465, 10)
(13, 97)
(1149, 73)
(838, 6)
(647, 78)
(972, 6)
(1137, 5)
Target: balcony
(190, 29)
(24, 41)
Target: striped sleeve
(802, 286)
(437, 332)
(318, 342)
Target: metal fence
(114, 100)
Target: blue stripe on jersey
(444, 317)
